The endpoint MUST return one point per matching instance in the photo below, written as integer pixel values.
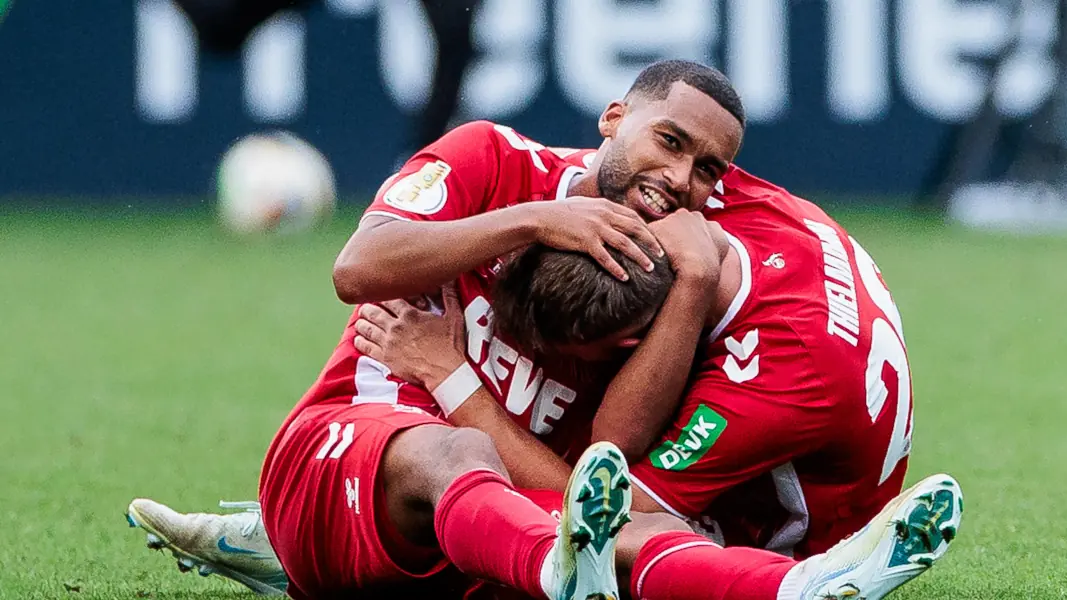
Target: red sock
(490, 531)
(686, 566)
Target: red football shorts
(323, 507)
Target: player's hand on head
(695, 246)
(588, 225)
(417, 345)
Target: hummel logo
(714, 202)
(352, 493)
(742, 352)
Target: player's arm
(431, 221)
(390, 258)
(427, 349)
(643, 397)
(531, 464)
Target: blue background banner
(112, 97)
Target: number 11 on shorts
(337, 442)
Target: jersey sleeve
(754, 407)
(450, 179)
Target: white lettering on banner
(274, 63)
(756, 60)
(1029, 76)
(498, 362)
(510, 71)
(406, 51)
(273, 60)
(351, 8)
(942, 41)
(940, 46)
(858, 59)
(595, 37)
(503, 81)
(166, 69)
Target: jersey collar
(565, 179)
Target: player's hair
(545, 298)
(655, 82)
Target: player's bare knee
(422, 462)
(643, 528)
(409, 462)
(650, 524)
(465, 449)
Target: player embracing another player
(759, 386)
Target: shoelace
(248, 529)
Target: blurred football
(274, 182)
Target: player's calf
(643, 527)
(422, 463)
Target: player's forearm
(388, 259)
(643, 397)
(530, 463)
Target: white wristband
(457, 388)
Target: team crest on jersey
(423, 192)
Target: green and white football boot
(596, 504)
(902, 542)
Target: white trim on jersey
(742, 293)
(664, 554)
(791, 497)
(561, 192)
(373, 385)
(382, 213)
(565, 180)
(656, 497)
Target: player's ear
(611, 117)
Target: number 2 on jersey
(887, 346)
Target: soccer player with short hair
(766, 419)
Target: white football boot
(596, 504)
(904, 540)
(234, 545)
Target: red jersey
(795, 427)
(476, 168)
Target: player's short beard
(615, 176)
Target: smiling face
(660, 155)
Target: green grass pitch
(155, 356)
